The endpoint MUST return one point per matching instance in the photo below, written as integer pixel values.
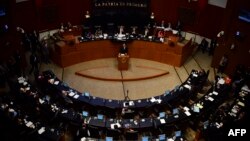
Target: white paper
(162, 121)
(56, 82)
(76, 96)
(41, 130)
(187, 113)
(215, 93)
(28, 124)
(241, 104)
(195, 75)
(186, 108)
(71, 94)
(221, 81)
(210, 98)
(187, 86)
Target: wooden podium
(123, 61)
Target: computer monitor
(177, 133)
(196, 109)
(145, 138)
(167, 93)
(86, 94)
(162, 114)
(100, 116)
(175, 111)
(162, 137)
(205, 124)
(109, 139)
(85, 113)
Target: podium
(70, 39)
(123, 61)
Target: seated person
(87, 15)
(163, 24)
(203, 45)
(69, 26)
(124, 49)
(121, 29)
(160, 34)
(98, 32)
(134, 33)
(146, 32)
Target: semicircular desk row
(195, 79)
(66, 55)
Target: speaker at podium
(123, 61)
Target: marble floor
(138, 68)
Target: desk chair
(93, 132)
(115, 133)
(131, 135)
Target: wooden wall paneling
(240, 54)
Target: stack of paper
(71, 94)
(152, 100)
(187, 113)
(64, 111)
(215, 93)
(210, 98)
(76, 96)
(162, 121)
(56, 82)
(241, 104)
(195, 75)
(41, 130)
(186, 108)
(187, 86)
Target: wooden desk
(65, 55)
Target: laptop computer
(175, 111)
(162, 114)
(100, 116)
(145, 138)
(162, 137)
(177, 133)
(109, 139)
(85, 113)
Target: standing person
(34, 63)
(18, 59)
(124, 49)
(45, 52)
(213, 44)
(223, 64)
(146, 32)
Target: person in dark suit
(223, 63)
(34, 63)
(124, 49)
(213, 44)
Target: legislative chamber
(124, 70)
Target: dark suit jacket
(33, 59)
(123, 50)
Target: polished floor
(138, 68)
